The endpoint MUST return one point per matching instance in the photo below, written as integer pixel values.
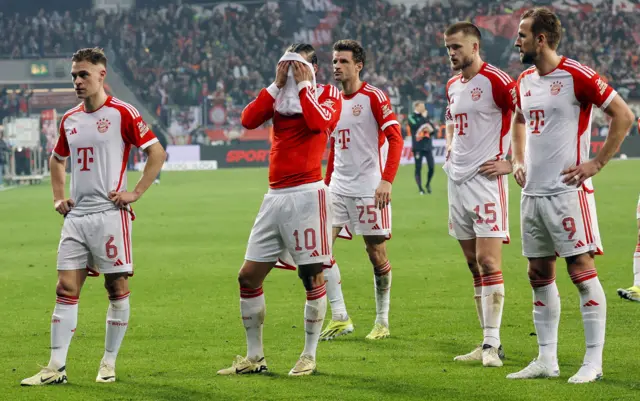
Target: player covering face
(480, 104)
(293, 224)
(551, 145)
(364, 158)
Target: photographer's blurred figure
(421, 131)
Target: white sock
(636, 267)
(593, 305)
(63, 324)
(546, 317)
(334, 292)
(477, 297)
(253, 310)
(492, 304)
(382, 278)
(117, 323)
(314, 311)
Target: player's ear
(315, 69)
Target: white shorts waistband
(299, 188)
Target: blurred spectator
(179, 54)
(4, 158)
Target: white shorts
(98, 242)
(293, 224)
(479, 208)
(564, 225)
(361, 215)
(638, 210)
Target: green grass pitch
(189, 242)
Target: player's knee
(311, 275)
(377, 251)
(116, 286)
(67, 288)
(473, 267)
(540, 271)
(488, 264)
(247, 280)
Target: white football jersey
(480, 110)
(98, 145)
(360, 145)
(557, 110)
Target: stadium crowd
(180, 53)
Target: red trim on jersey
(324, 240)
(583, 122)
(351, 96)
(449, 83)
(91, 112)
(584, 210)
(557, 66)
(503, 205)
(284, 265)
(484, 65)
(123, 169)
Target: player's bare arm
(621, 121)
(156, 157)
(518, 132)
(449, 139)
(58, 175)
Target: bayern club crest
(476, 93)
(357, 109)
(103, 125)
(555, 87)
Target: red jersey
(299, 141)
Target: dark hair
(304, 48)
(467, 28)
(93, 55)
(546, 22)
(353, 46)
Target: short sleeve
(61, 150)
(135, 130)
(381, 108)
(448, 118)
(517, 95)
(591, 88)
(508, 97)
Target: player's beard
(466, 62)
(528, 57)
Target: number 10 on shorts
(309, 239)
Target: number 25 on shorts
(371, 214)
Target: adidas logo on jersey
(118, 263)
(495, 228)
(528, 93)
(579, 244)
(315, 254)
(375, 227)
(73, 131)
(539, 303)
(591, 302)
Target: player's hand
(301, 72)
(281, 74)
(494, 168)
(63, 206)
(122, 199)
(383, 194)
(577, 175)
(519, 174)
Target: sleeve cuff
(607, 102)
(273, 90)
(148, 143)
(388, 124)
(59, 157)
(304, 84)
